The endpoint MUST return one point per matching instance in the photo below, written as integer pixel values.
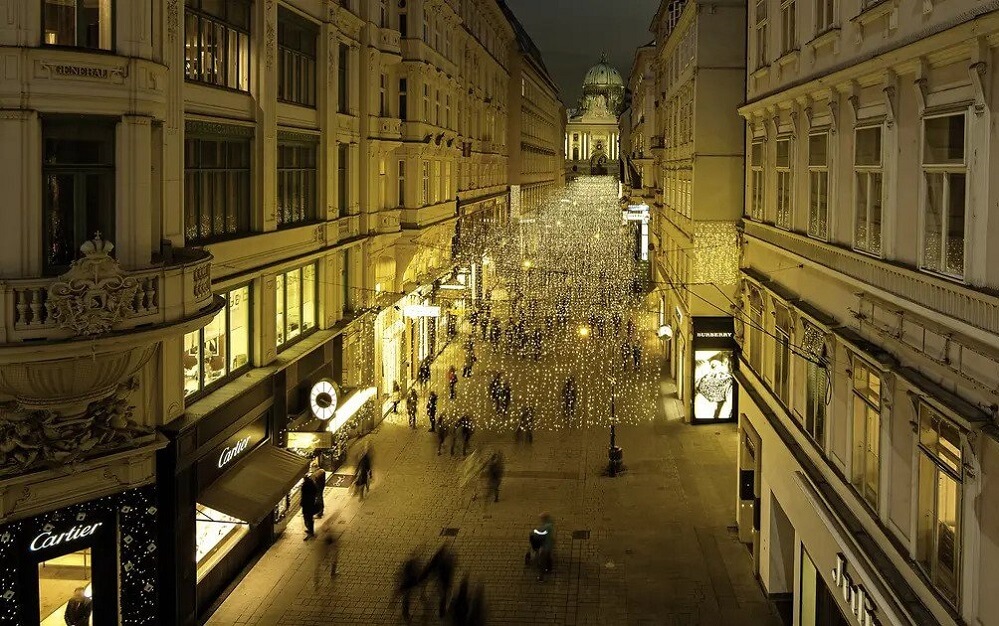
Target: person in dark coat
(396, 396)
(525, 428)
(308, 497)
(319, 477)
(494, 475)
(452, 381)
(409, 579)
(441, 568)
(443, 428)
(432, 410)
(411, 405)
(477, 609)
(460, 605)
(362, 480)
(78, 609)
(464, 428)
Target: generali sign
(854, 594)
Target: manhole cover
(580, 534)
(449, 532)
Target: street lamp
(615, 455)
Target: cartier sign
(854, 594)
(231, 452)
(227, 453)
(47, 539)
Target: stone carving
(95, 294)
(202, 281)
(39, 439)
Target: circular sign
(323, 399)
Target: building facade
(687, 151)
(870, 341)
(214, 207)
(592, 132)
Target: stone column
(265, 212)
(20, 178)
(133, 189)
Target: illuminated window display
(65, 580)
(221, 350)
(296, 304)
(714, 393)
(215, 535)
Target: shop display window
(296, 306)
(215, 535)
(64, 581)
(714, 384)
(221, 350)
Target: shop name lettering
(854, 594)
(231, 452)
(86, 72)
(48, 540)
(714, 334)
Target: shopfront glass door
(63, 581)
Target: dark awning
(250, 490)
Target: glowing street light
(584, 331)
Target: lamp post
(614, 454)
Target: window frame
(859, 478)
(783, 340)
(757, 206)
(231, 374)
(868, 172)
(825, 16)
(281, 308)
(343, 179)
(946, 170)
(307, 96)
(343, 78)
(246, 141)
(784, 215)
(761, 27)
(788, 26)
(284, 171)
(111, 35)
(821, 173)
(244, 83)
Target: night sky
(573, 33)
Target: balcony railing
(386, 128)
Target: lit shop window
(866, 430)
(221, 350)
(296, 304)
(78, 23)
(215, 535)
(63, 580)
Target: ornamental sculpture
(40, 439)
(95, 294)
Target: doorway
(59, 579)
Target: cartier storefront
(226, 477)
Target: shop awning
(250, 490)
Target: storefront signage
(309, 440)
(231, 452)
(854, 594)
(421, 310)
(706, 335)
(48, 539)
(714, 393)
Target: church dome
(603, 75)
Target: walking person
(569, 400)
(319, 478)
(432, 410)
(78, 609)
(440, 567)
(464, 427)
(636, 352)
(410, 577)
(362, 479)
(546, 554)
(308, 493)
(460, 605)
(494, 474)
(396, 396)
(452, 381)
(525, 426)
(443, 428)
(412, 403)
(327, 552)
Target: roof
(525, 43)
(603, 74)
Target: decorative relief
(202, 281)
(39, 439)
(95, 294)
(173, 19)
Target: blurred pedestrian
(525, 426)
(494, 474)
(396, 396)
(452, 381)
(410, 577)
(319, 477)
(460, 605)
(477, 610)
(636, 352)
(464, 429)
(327, 551)
(440, 568)
(412, 403)
(432, 410)
(569, 398)
(443, 428)
(362, 479)
(307, 495)
(546, 554)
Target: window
(402, 183)
(938, 537)
(216, 185)
(788, 32)
(426, 103)
(343, 79)
(78, 186)
(403, 99)
(818, 185)
(345, 281)
(403, 24)
(297, 38)
(761, 33)
(437, 182)
(945, 201)
(782, 356)
(447, 110)
(221, 350)
(868, 197)
(426, 183)
(382, 102)
(296, 304)
(342, 178)
(755, 331)
(437, 107)
(382, 183)
(296, 184)
(816, 394)
(866, 430)
(78, 23)
(217, 43)
(756, 182)
(382, 14)
(785, 182)
(446, 194)
(825, 15)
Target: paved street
(649, 547)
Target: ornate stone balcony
(385, 128)
(389, 41)
(348, 227)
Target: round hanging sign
(323, 399)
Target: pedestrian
(460, 605)
(440, 567)
(443, 426)
(470, 360)
(546, 553)
(494, 475)
(484, 326)
(396, 396)
(327, 551)
(424, 372)
(625, 355)
(307, 495)
(537, 344)
(78, 609)
(432, 409)
(452, 381)
(412, 402)
(362, 479)
(506, 398)
(477, 610)
(319, 478)
(636, 352)
(464, 427)
(495, 387)
(525, 427)
(410, 576)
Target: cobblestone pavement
(650, 547)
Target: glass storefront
(221, 350)
(296, 303)
(817, 605)
(215, 535)
(62, 580)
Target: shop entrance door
(61, 580)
